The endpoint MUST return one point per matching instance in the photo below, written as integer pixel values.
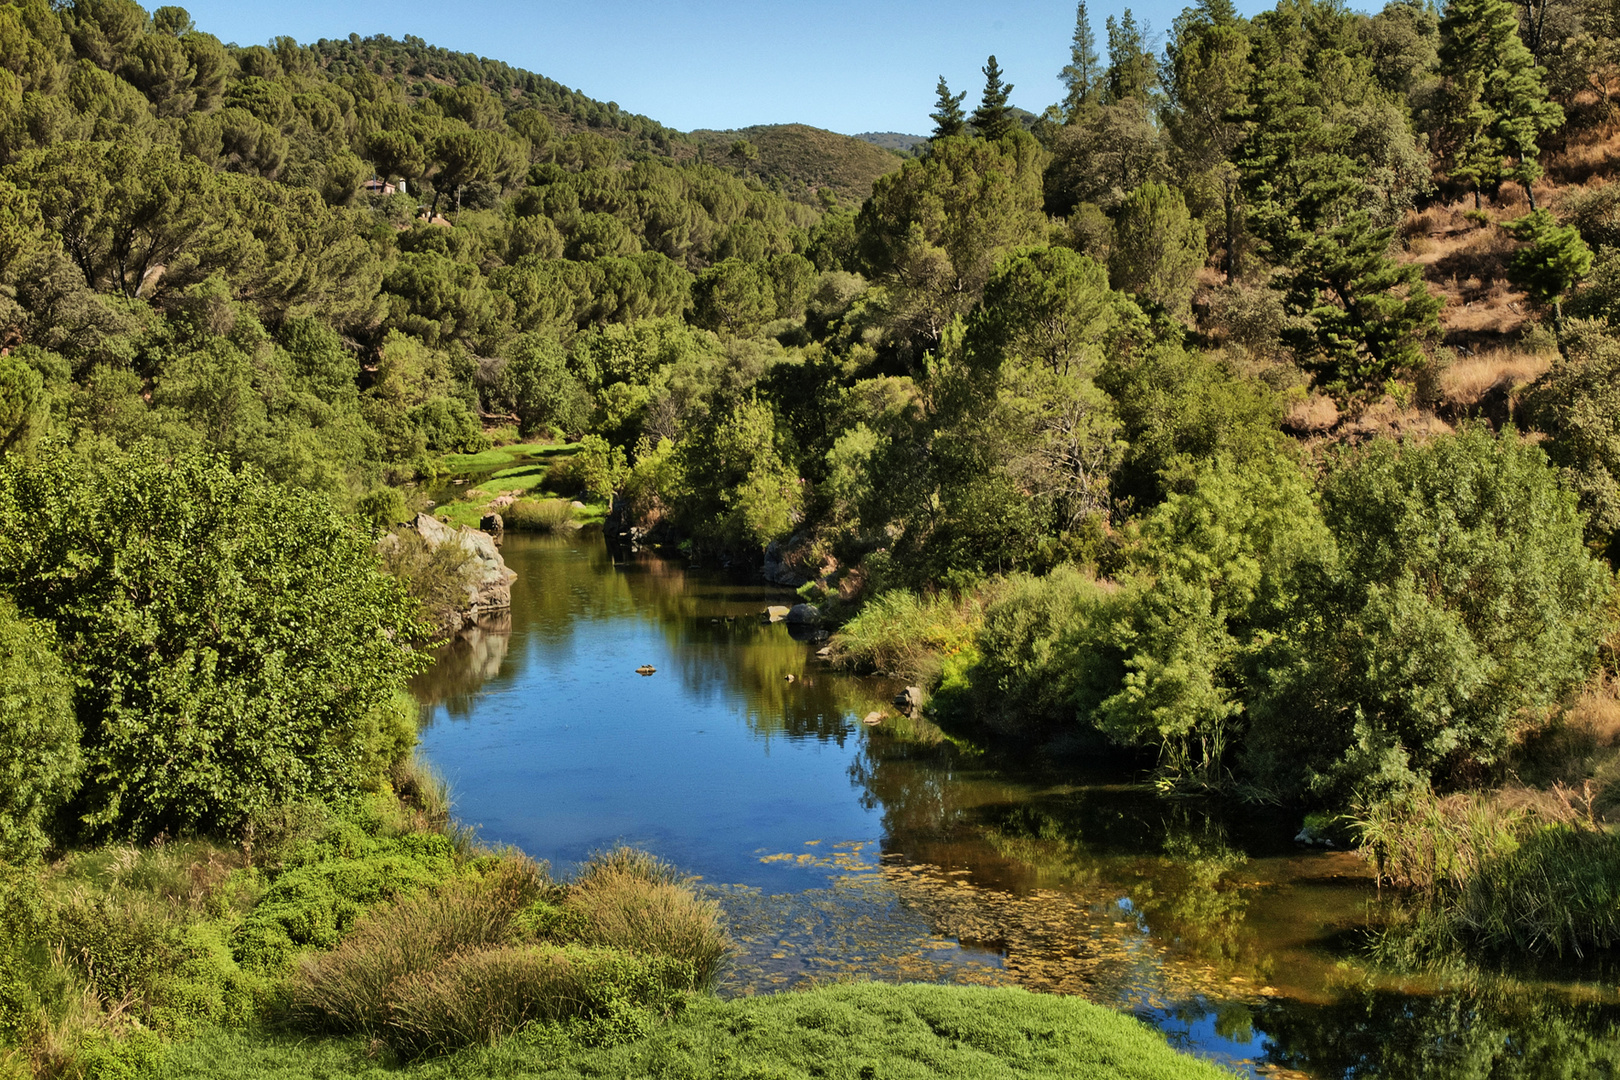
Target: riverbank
(860, 1030)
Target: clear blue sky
(845, 65)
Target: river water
(890, 851)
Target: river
(891, 851)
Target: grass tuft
(538, 515)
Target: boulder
(494, 525)
(489, 588)
(776, 612)
(910, 699)
(776, 571)
(804, 615)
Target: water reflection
(892, 852)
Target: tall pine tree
(1496, 104)
(1082, 76)
(948, 117)
(993, 118)
(1132, 70)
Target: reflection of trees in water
(710, 623)
(1495, 1031)
(464, 664)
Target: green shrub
(352, 987)
(909, 636)
(482, 996)
(39, 738)
(538, 515)
(1029, 671)
(632, 902)
(232, 638)
(437, 577)
(1460, 597)
(315, 904)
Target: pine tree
(948, 117)
(1497, 104)
(1553, 259)
(993, 118)
(1082, 76)
(1132, 71)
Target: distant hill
(801, 158)
(893, 140)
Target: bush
(909, 636)
(39, 738)
(482, 996)
(1028, 671)
(632, 902)
(439, 577)
(351, 989)
(1460, 598)
(538, 515)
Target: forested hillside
(1249, 415)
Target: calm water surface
(890, 852)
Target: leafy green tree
(1577, 405)
(1207, 74)
(993, 118)
(1157, 249)
(1496, 103)
(1082, 76)
(733, 297)
(1216, 569)
(1179, 410)
(934, 230)
(536, 384)
(1459, 599)
(740, 492)
(1049, 308)
(24, 404)
(1553, 259)
(39, 738)
(234, 641)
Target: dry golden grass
(1594, 152)
(1314, 414)
(1469, 380)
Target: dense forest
(1250, 415)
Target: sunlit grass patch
(855, 1030)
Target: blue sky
(845, 65)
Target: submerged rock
(910, 699)
(646, 669)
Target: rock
(489, 588)
(646, 669)
(790, 677)
(493, 524)
(778, 572)
(577, 505)
(804, 615)
(910, 699)
(872, 718)
(1313, 832)
(824, 653)
(819, 636)
(776, 612)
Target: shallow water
(890, 852)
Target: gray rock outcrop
(489, 582)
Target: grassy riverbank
(380, 940)
(858, 1030)
(542, 477)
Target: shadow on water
(891, 852)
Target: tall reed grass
(538, 515)
(910, 636)
(1531, 870)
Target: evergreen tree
(1132, 71)
(1496, 104)
(1553, 259)
(993, 118)
(948, 117)
(1082, 76)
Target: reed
(538, 515)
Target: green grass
(852, 1031)
(503, 455)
